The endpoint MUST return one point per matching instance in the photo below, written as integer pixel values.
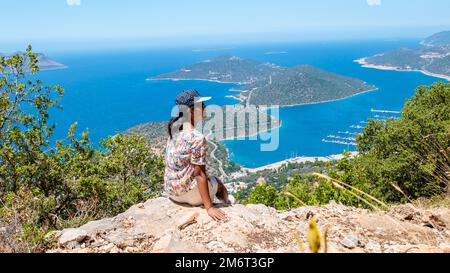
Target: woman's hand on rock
(216, 214)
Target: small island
(271, 84)
(432, 59)
(44, 62)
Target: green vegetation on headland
(433, 58)
(44, 188)
(270, 84)
(305, 84)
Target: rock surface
(160, 226)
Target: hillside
(230, 69)
(438, 39)
(155, 132)
(305, 84)
(432, 59)
(160, 226)
(270, 84)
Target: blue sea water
(107, 92)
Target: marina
(348, 138)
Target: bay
(107, 92)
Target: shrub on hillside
(408, 157)
(400, 160)
(45, 187)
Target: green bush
(302, 190)
(263, 193)
(45, 187)
(407, 158)
(400, 160)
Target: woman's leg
(215, 187)
(222, 192)
(194, 198)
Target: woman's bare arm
(203, 186)
(202, 182)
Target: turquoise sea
(107, 92)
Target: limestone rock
(154, 227)
(72, 236)
(350, 242)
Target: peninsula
(432, 59)
(218, 157)
(271, 84)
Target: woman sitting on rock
(185, 177)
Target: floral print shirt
(185, 150)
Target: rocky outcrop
(160, 226)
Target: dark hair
(171, 123)
(176, 119)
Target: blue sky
(185, 21)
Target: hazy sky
(234, 20)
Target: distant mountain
(432, 59)
(224, 69)
(44, 62)
(439, 39)
(270, 84)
